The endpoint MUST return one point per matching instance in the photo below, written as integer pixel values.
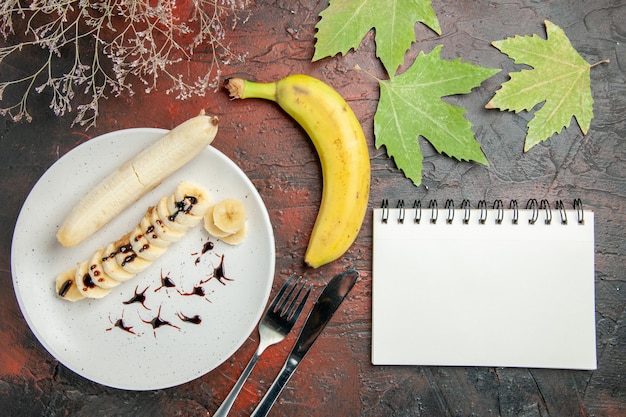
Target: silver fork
(277, 322)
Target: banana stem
(240, 88)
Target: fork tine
(287, 312)
(296, 313)
(287, 297)
(272, 306)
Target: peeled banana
(339, 140)
(134, 252)
(136, 177)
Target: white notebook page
(489, 294)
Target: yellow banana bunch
(340, 143)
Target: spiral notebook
(484, 285)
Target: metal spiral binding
(450, 207)
(561, 208)
(385, 207)
(466, 206)
(417, 205)
(499, 205)
(482, 206)
(513, 206)
(434, 211)
(578, 206)
(401, 208)
(536, 207)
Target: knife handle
(276, 388)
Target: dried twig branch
(113, 44)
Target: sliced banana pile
(227, 221)
(162, 225)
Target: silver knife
(324, 308)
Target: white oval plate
(83, 335)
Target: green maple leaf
(410, 105)
(345, 23)
(560, 79)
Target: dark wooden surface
(337, 379)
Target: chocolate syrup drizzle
(157, 322)
(139, 297)
(166, 281)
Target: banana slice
(209, 225)
(192, 198)
(110, 265)
(149, 231)
(183, 217)
(142, 247)
(128, 259)
(66, 286)
(229, 215)
(134, 252)
(85, 284)
(169, 217)
(162, 231)
(238, 237)
(96, 271)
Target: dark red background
(337, 378)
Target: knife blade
(327, 303)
